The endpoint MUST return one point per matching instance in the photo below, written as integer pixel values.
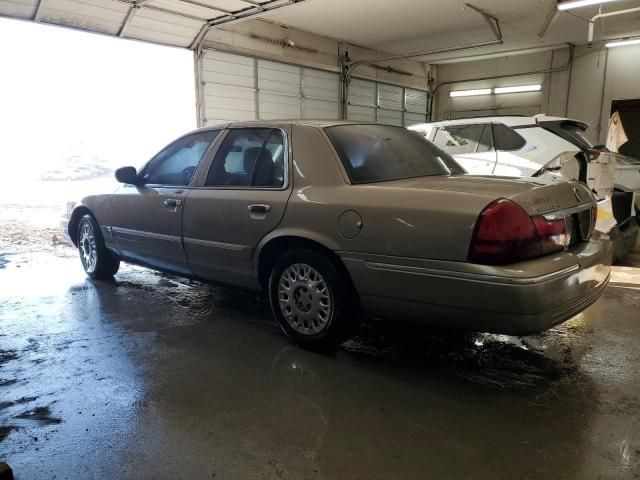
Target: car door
(145, 222)
(471, 145)
(240, 199)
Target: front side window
(463, 139)
(249, 157)
(377, 153)
(176, 164)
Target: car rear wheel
(98, 262)
(312, 299)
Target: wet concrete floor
(152, 376)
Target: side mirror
(128, 175)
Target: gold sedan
(335, 219)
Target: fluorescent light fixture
(581, 3)
(623, 43)
(518, 89)
(470, 93)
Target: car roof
(509, 120)
(320, 123)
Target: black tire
(329, 326)
(105, 264)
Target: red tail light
(552, 234)
(505, 233)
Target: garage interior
(155, 376)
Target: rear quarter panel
(408, 222)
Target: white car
(552, 147)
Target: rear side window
(249, 157)
(377, 153)
(506, 138)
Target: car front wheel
(313, 300)
(98, 262)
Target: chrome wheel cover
(88, 248)
(304, 299)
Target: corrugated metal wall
(236, 87)
(389, 104)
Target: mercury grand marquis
(335, 219)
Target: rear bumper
(503, 301)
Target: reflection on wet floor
(153, 376)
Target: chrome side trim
(567, 212)
(209, 243)
(140, 233)
(432, 272)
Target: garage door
(389, 104)
(236, 87)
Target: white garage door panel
(18, 8)
(415, 101)
(389, 97)
(387, 104)
(320, 85)
(390, 117)
(413, 118)
(106, 17)
(154, 27)
(320, 109)
(278, 77)
(361, 114)
(189, 9)
(273, 106)
(224, 96)
(228, 69)
(283, 91)
(362, 93)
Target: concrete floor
(152, 376)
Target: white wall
(583, 99)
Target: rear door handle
(172, 202)
(259, 208)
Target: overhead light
(518, 89)
(581, 3)
(623, 43)
(470, 93)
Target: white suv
(551, 147)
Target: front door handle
(259, 208)
(172, 202)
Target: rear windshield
(378, 153)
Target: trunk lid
(537, 196)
